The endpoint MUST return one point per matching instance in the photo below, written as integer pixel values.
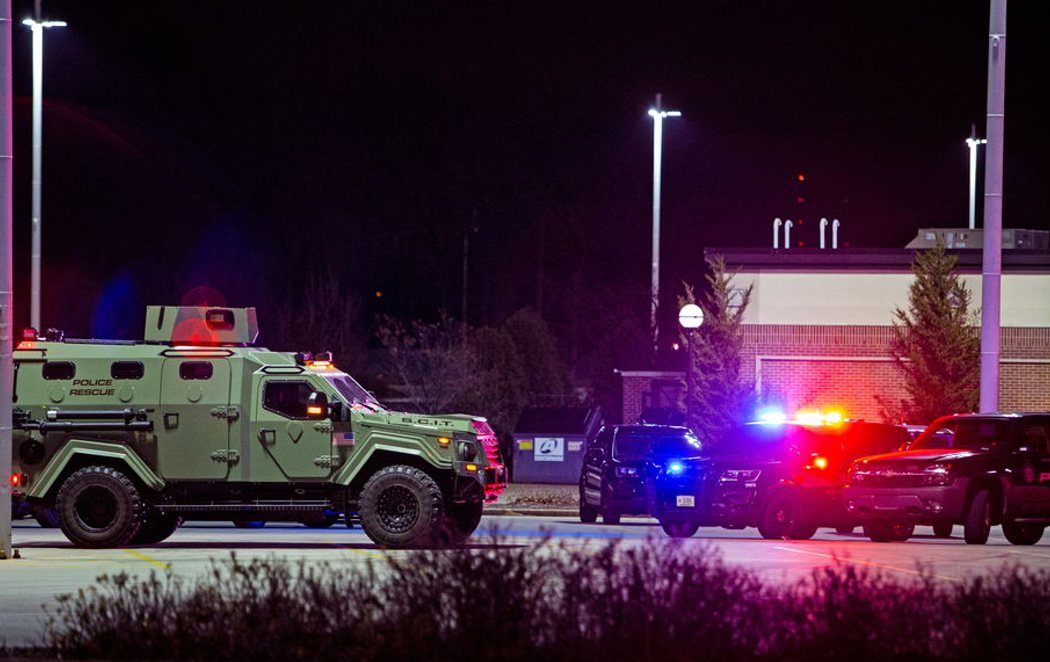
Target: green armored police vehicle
(122, 440)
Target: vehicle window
(195, 370)
(971, 434)
(126, 370)
(59, 370)
(765, 439)
(287, 398)
(1036, 439)
(683, 445)
(352, 392)
(604, 438)
(629, 445)
(874, 439)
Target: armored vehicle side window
(59, 370)
(126, 370)
(287, 398)
(195, 370)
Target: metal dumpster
(549, 442)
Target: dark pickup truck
(978, 470)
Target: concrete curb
(513, 511)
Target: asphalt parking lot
(50, 565)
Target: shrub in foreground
(505, 602)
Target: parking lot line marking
(872, 564)
(370, 554)
(148, 559)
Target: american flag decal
(345, 439)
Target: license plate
(685, 501)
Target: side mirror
(335, 411)
(317, 405)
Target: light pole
(690, 318)
(973, 142)
(37, 26)
(658, 115)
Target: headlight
(675, 468)
(937, 474)
(466, 447)
(627, 472)
(734, 475)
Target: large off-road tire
(100, 507)
(680, 528)
(943, 529)
(588, 513)
(977, 523)
(156, 528)
(461, 520)
(402, 506)
(1023, 534)
(782, 519)
(888, 531)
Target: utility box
(549, 443)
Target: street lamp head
(33, 23)
(971, 143)
(691, 316)
(660, 114)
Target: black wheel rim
(96, 508)
(397, 509)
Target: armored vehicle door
(193, 439)
(290, 426)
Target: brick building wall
(844, 367)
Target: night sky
(241, 146)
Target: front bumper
(925, 504)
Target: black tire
(402, 506)
(1023, 534)
(610, 513)
(680, 528)
(461, 520)
(46, 517)
(588, 513)
(943, 529)
(888, 531)
(249, 523)
(100, 507)
(781, 519)
(156, 528)
(977, 523)
(844, 530)
(319, 520)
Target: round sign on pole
(691, 316)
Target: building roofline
(867, 259)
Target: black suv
(619, 463)
(977, 470)
(784, 478)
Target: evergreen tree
(718, 397)
(936, 345)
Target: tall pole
(37, 26)
(6, 299)
(972, 142)
(993, 208)
(658, 115)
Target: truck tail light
(16, 480)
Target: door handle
(268, 437)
